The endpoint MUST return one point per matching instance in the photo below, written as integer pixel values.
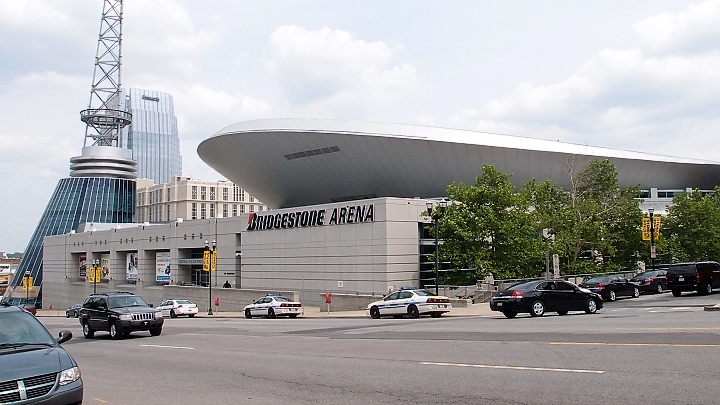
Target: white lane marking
(634, 344)
(170, 347)
(679, 308)
(565, 370)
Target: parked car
(272, 306)
(697, 276)
(175, 308)
(73, 311)
(612, 287)
(541, 296)
(651, 281)
(29, 307)
(34, 367)
(412, 302)
(119, 313)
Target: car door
(388, 306)
(101, 315)
(165, 308)
(715, 268)
(626, 287)
(572, 298)
(261, 309)
(547, 292)
(404, 300)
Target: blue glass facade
(153, 135)
(76, 201)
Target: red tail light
(648, 280)
(697, 277)
(516, 294)
(438, 301)
(600, 286)
(667, 278)
(284, 304)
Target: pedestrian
(227, 284)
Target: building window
(236, 193)
(212, 210)
(168, 212)
(242, 208)
(193, 211)
(252, 199)
(234, 211)
(225, 194)
(251, 208)
(194, 192)
(212, 193)
(242, 195)
(202, 210)
(150, 215)
(168, 195)
(203, 193)
(225, 211)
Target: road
(655, 349)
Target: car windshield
(646, 274)
(523, 286)
(22, 328)
(184, 302)
(596, 280)
(281, 299)
(130, 301)
(423, 293)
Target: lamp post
(27, 287)
(436, 214)
(94, 269)
(651, 211)
(210, 252)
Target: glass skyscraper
(152, 136)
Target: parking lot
(653, 349)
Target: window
(150, 216)
(203, 193)
(152, 198)
(252, 199)
(194, 192)
(168, 195)
(202, 210)
(234, 210)
(564, 286)
(168, 212)
(225, 211)
(236, 193)
(212, 193)
(212, 210)
(193, 211)
(225, 193)
(251, 208)
(242, 208)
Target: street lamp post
(436, 214)
(210, 252)
(27, 287)
(94, 269)
(651, 211)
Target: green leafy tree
(692, 225)
(489, 227)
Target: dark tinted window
(546, 286)
(596, 280)
(524, 286)
(564, 286)
(682, 269)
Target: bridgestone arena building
(348, 199)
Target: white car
(410, 302)
(175, 308)
(272, 306)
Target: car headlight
(158, 315)
(125, 317)
(69, 375)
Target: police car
(409, 301)
(272, 306)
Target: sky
(640, 75)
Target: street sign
(653, 254)
(556, 265)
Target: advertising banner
(105, 266)
(82, 259)
(162, 267)
(131, 264)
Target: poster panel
(162, 267)
(105, 266)
(82, 259)
(131, 264)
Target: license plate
(442, 306)
(293, 309)
(499, 304)
(681, 278)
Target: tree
(489, 227)
(692, 225)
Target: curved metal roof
(295, 162)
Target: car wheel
(248, 315)
(114, 332)
(436, 314)
(67, 314)
(87, 332)
(562, 313)
(75, 314)
(173, 314)
(708, 288)
(510, 314)
(613, 297)
(413, 312)
(676, 293)
(590, 306)
(156, 331)
(192, 315)
(375, 313)
(636, 292)
(659, 288)
(537, 308)
(271, 313)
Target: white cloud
(694, 30)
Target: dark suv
(697, 276)
(119, 313)
(34, 367)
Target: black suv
(119, 313)
(697, 276)
(34, 367)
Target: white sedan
(272, 306)
(175, 308)
(410, 302)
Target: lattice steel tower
(101, 186)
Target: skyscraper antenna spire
(105, 116)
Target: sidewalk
(314, 312)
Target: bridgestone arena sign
(344, 215)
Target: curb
(712, 307)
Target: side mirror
(150, 305)
(64, 336)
